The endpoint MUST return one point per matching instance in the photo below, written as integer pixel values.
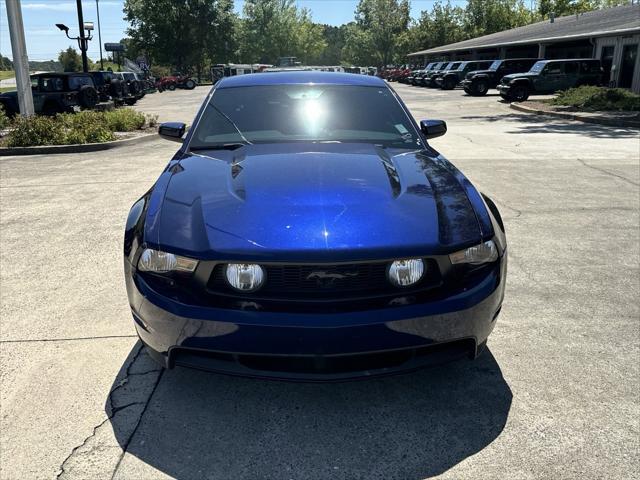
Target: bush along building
(611, 35)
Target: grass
(6, 89)
(599, 99)
(4, 74)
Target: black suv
(417, 76)
(55, 93)
(453, 76)
(109, 86)
(479, 82)
(450, 67)
(550, 76)
(429, 79)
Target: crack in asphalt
(607, 172)
(114, 409)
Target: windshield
(495, 65)
(303, 113)
(538, 66)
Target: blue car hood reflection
(312, 202)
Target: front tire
(519, 93)
(449, 84)
(480, 88)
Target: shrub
(124, 120)
(4, 119)
(86, 126)
(64, 129)
(36, 130)
(598, 98)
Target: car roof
(58, 74)
(300, 78)
(554, 60)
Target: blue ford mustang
(306, 230)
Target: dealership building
(611, 35)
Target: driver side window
(552, 69)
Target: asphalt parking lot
(555, 396)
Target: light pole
(20, 59)
(99, 35)
(83, 41)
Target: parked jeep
(130, 88)
(550, 76)
(452, 77)
(55, 93)
(417, 77)
(429, 79)
(478, 82)
(451, 66)
(109, 86)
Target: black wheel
(171, 86)
(449, 83)
(88, 96)
(190, 84)
(519, 93)
(131, 101)
(480, 88)
(115, 88)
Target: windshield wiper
(219, 146)
(230, 121)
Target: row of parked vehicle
(515, 78)
(56, 92)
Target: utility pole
(82, 41)
(99, 35)
(20, 59)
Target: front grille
(324, 282)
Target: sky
(44, 40)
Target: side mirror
(172, 131)
(433, 128)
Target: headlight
(163, 262)
(404, 273)
(484, 253)
(245, 277)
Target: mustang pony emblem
(324, 279)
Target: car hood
(513, 76)
(314, 202)
(480, 72)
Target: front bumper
(503, 89)
(315, 346)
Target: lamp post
(83, 41)
(99, 35)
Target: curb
(80, 148)
(612, 122)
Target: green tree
(483, 17)
(179, 33)
(570, 7)
(268, 30)
(310, 42)
(381, 22)
(358, 46)
(71, 60)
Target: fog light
(245, 277)
(404, 273)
